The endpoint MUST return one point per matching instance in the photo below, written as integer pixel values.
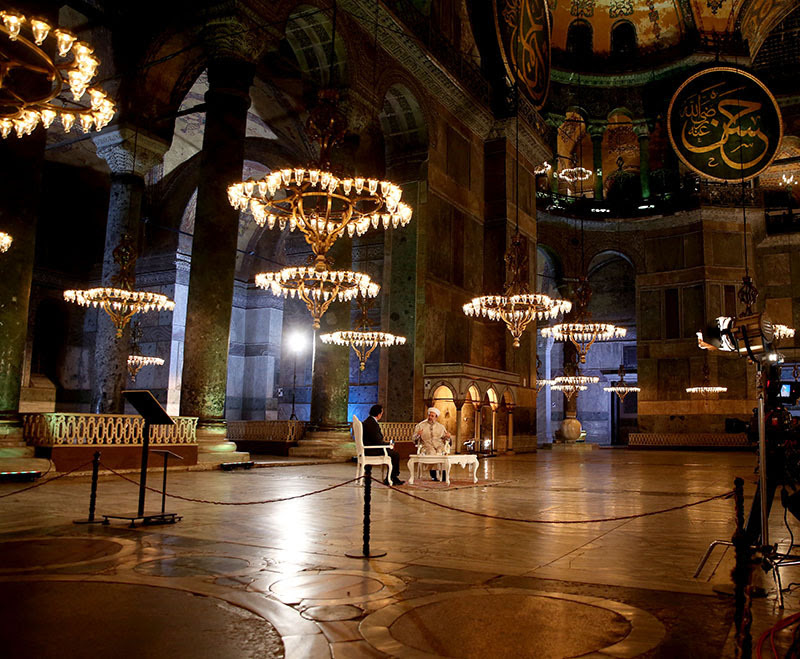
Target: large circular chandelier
(706, 389)
(517, 307)
(583, 335)
(137, 362)
(321, 204)
(121, 302)
(574, 174)
(317, 287)
(5, 242)
(32, 82)
(570, 385)
(363, 343)
(619, 387)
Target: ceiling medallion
(517, 307)
(318, 287)
(363, 339)
(32, 82)
(121, 302)
(322, 205)
(619, 387)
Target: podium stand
(153, 414)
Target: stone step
(218, 457)
(12, 452)
(328, 449)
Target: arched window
(623, 39)
(579, 39)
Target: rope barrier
(231, 503)
(724, 495)
(44, 482)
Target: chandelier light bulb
(25, 106)
(5, 242)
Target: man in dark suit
(374, 437)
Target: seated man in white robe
(432, 437)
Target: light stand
(297, 342)
(293, 416)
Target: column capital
(596, 129)
(128, 151)
(641, 129)
(232, 35)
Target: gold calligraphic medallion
(725, 124)
(523, 32)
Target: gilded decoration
(523, 30)
(582, 8)
(619, 8)
(725, 124)
(760, 17)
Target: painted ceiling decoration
(725, 124)
(523, 31)
(759, 19)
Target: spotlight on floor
(19, 476)
(230, 466)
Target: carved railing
(266, 430)
(397, 431)
(68, 429)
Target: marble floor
(273, 580)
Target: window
(623, 39)
(579, 39)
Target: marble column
(510, 442)
(456, 446)
(643, 133)
(209, 306)
(130, 154)
(596, 133)
(20, 191)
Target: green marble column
(208, 317)
(596, 133)
(20, 191)
(130, 154)
(643, 133)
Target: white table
(443, 463)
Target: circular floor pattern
(511, 622)
(44, 553)
(192, 566)
(332, 613)
(123, 620)
(334, 587)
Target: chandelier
(517, 307)
(574, 174)
(706, 389)
(583, 333)
(318, 287)
(32, 82)
(5, 242)
(620, 388)
(320, 204)
(363, 339)
(137, 362)
(570, 385)
(544, 168)
(782, 331)
(121, 302)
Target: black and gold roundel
(725, 124)
(523, 31)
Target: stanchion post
(366, 551)
(93, 493)
(164, 485)
(741, 575)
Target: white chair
(385, 460)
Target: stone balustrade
(397, 431)
(69, 429)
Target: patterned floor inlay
(333, 587)
(190, 566)
(49, 553)
(498, 622)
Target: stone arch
(403, 123)
(549, 270)
(602, 257)
(580, 38)
(624, 40)
(308, 34)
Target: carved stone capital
(129, 152)
(596, 130)
(232, 33)
(641, 129)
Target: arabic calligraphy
(725, 124)
(525, 32)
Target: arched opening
(549, 361)
(623, 40)
(488, 429)
(443, 401)
(579, 40)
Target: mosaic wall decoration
(725, 124)
(619, 8)
(653, 16)
(524, 31)
(582, 8)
